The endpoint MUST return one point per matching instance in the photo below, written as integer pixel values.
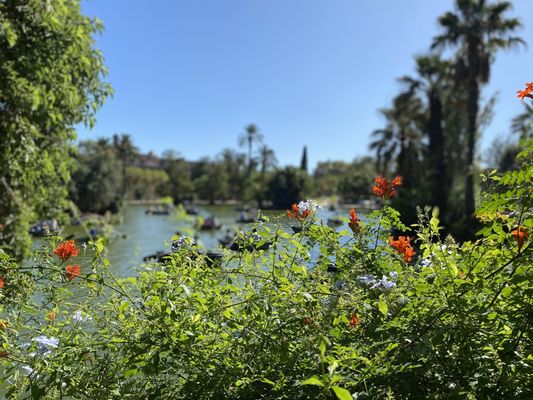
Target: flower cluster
(385, 189)
(72, 271)
(302, 210)
(527, 92)
(79, 317)
(354, 221)
(354, 320)
(66, 249)
(386, 282)
(183, 242)
(403, 245)
(46, 344)
(2, 283)
(520, 235)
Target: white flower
(78, 317)
(45, 344)
(28, 369)
(367, 279)
(385, 283)
(426, 262)
(309, 205)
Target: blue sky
(189, 75)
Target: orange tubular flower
(51, 316)
(385, 189)
(302, 210)
(66, 249)
(354, 320)
(72, 271)
(403, 246)
(296, 214)
(354, 221)
(527, 92)
(2, 282)
(520, 235)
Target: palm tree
(267, 160)
(250, 137)
(384, 145)
(522, 124)
(126, 152)
(433, 82)
(478, 30)
(400, 140)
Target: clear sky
(188, 75)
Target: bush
(451, 321)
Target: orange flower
(520, 235)
(354, 221)
(2, 282)
(302, 210)
(403, 245)
(72, 271)
(527, 92)
(384, 189)
(354, 320)
(51, 316)
(66, 249)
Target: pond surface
(142, 234)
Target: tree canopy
(51, 78)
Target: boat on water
(227, 239)
(335, 221)
(249, 242)
(163, 257)
(210, 223)
(158, 210)
(246, 218)
(45, 228)
(191, 210)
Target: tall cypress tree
(303, 163)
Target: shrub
(321, 314)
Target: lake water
(142, 234)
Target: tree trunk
(472, 111)
(402, 163)
(439, 192)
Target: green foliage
(146, 183)
(50, 80)
(97, 182)
(178, 184)
(275, 324)
(288, 186)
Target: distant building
(149, 160)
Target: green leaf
(341, 393)
(314, 380)
(383, 307)
(322, 348)
(130, 372)
(506, 292)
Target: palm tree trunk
(439, 192)
(472, 111)
(402, 162)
